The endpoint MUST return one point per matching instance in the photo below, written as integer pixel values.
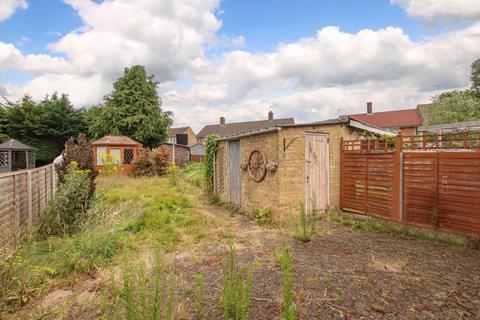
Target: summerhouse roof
(115, 140)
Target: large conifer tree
(133, 109)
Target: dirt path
(342, 274)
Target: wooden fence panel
(23, 197)
(459, 192)
(419, 187)
(354, 182)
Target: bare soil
(341, 274)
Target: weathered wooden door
(316, 170)
(234, 172)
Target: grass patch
(194, 173)
(374, 225)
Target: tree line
(133, 108)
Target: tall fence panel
(23, 197)
(367, 183)
(431, 182)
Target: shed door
(316, 169)
(234, 172)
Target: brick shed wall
(265, 193)
(284, 189)
(292, 165)
(182, 154)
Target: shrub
(79, 151)
(151, 163)
(236, 296)
(66, 210)
(262, 216)
(305, 226)
(288, 307)
(174, 174)
(211, 147)
(110, 165)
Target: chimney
(222, 121)
(270, 116)
(369, 108)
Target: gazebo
(15, 155)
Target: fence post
(29, 200)
(396, 187)
(341, 171)
(16, 222)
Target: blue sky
(242, 57)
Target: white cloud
(8, 8)
(433, 10)
(313, 78)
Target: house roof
(13, 144)
(115, 140)
(391, 119)
(341, 120)
(241, 127)
(172, 132)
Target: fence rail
(23, 197)
(428, 183)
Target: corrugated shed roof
(115, 140)
(391, 119)
(240, 127)
(13, 144)
(172, 132)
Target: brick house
(280, 167)
(405, 121)
(225, 129)
(181, 135)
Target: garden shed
(178, 153)
(281, 167)
(119, 150)
(15, 155)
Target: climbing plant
(211, 146)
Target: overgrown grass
(374, 225)
(128, 214)
(194, 173)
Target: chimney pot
(270, 116)
(369, 108)
(222, 121)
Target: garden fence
(23, 197)
(430, 181)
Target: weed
(144, 295)
(262, 216)
(174, 174)
(305, 226)
(288, 307)
(370, 224)
(199, 291)
(194, 173)
(236, 296)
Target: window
(101, 155)
(116, 154)
(127, 156)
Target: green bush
(236, 296)
(305, 225)
(78, 151)
(211, 146)
(66, 211)
(288, 307)
(151, 163)
(262, 216)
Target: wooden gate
(234, 172)
(316, 170)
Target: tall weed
(236, 296)
(288, 306)
(305, 225)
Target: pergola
(15, 155)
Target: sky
(309, 59)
